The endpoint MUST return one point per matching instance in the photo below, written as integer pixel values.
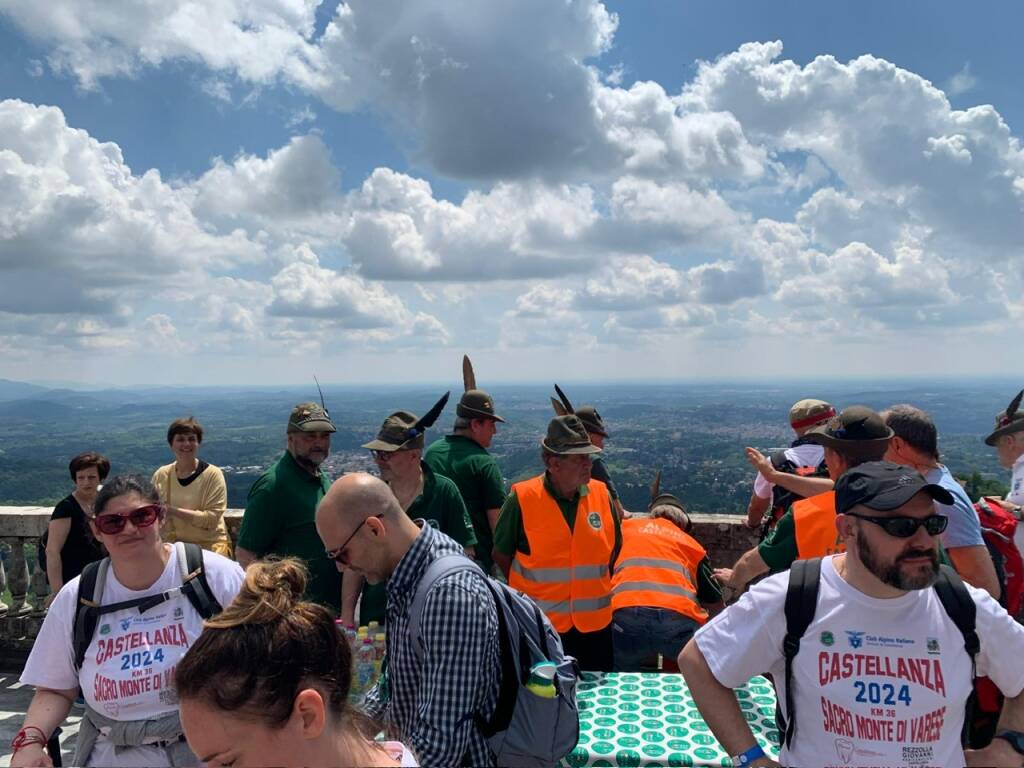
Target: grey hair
(461, 422)
(915, 427)
(674, 515)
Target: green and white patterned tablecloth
(651, 720)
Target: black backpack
(90, 587)
(802, 601)
(782, 499)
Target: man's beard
(310, 465)
(891, 573)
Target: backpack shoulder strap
(87, 606)
(193, 580)
(961, 609)
(441, 567)
(801, 603)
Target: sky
(225, 192)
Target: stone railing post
(3, 587)
(17, 577)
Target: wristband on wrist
(747, 757)
(28, 735)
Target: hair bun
(269, 594)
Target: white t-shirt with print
(128, 672)
(876, 682)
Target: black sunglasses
(338, 555)
(905, 527)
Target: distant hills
(695, 433)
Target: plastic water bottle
(380, 644)
(373, 628)
(542, 679)
(366, 657)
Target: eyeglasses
(905, 527)
(143, 517)
(338, 555)
(383, 455)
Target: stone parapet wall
(723, 536)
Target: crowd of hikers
(882, 602)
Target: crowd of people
(874, 598)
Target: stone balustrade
(723, 536)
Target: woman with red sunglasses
(127, 675)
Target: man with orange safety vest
(660, 584)
(857, 435)
(557, 539)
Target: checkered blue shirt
(432, 705)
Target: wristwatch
(1016, 739)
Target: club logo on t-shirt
(856, 638)
(105, 629)
(933, 645)
(125, 623)
(595, 521)
(827, 638)
(844, 749)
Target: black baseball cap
(884, 486)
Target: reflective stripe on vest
(814, 525)
(655, 568)
(566, 573)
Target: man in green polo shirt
(420, 491)
(462, 456)
(280, 513)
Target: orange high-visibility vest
(567, 572)
(814, 523)
(656, 568)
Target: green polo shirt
(778, 550)
(441, 506)
(475, 472)
(280, 520)
(510, 535)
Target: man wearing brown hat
(661, 585)
(397, 451)
(1008, 440)
(462, 456)
(807, 529)
(557, 540)
(280, 513)
(598, 432)
(803, 458)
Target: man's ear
(845, 526)
(309, 713)
(376, 526)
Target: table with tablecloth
(633, 719)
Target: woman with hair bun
(267, 683)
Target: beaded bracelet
(23, 738)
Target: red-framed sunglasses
(142, 517)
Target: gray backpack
(526, 730)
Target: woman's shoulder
(64, 508)
(163, 471)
